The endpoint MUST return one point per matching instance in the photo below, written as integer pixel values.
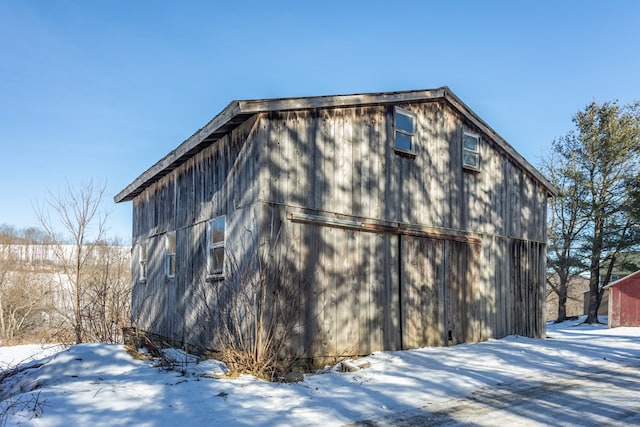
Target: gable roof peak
(237, 112)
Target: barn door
(421, 284)
(437, 278)
(349, 304)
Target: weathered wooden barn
(624, 301)
(402, 218)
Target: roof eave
(623, 279)
(169, 162)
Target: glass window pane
(404, 122)
(403, 141)
(171, 265)
(143, 270)
(471, 159)
(216, 231)
(216, 260)
(470, 142)
(171, 243)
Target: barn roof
(622, 280)
(237, 112)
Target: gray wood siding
(342, 161)
(441, 300)
(348, 299)
(364, 291)
(219, 180)
(214, 182)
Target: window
(170, 250)
(215, 246)
(142, 260)
(404, 125)
(471, 151)
(613, 278)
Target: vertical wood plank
(346, 294)
(330, 314)
(358, 168)
(294, 177)
(378, 302)
(264, 158)
(363, 277)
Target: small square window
(215, 246)
(471, 151)
(170, 250)
(404, 125)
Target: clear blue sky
(104, 89)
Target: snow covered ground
(101, 385)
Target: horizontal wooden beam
(323, 220)
(439, 233)
(394, 228)
(337, 101)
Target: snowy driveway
(581, 375)
(604, 397)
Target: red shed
(624, 301)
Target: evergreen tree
(600, 163)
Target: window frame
(475, 153)
(143, 255)
(170, 255)
(212, 246)
(411, 151)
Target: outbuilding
(624, 301)
(382, 221)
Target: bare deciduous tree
(78, 212)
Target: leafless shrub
(13, 401)
(33, 404)
(254, 314)
(107, 298)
